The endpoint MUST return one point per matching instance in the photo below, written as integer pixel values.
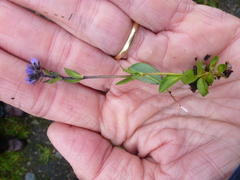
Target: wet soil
(44, 166)
(230, 6)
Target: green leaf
(47, 72)
(209, 79)
(221, 68)
(189, 77)
(129, 71)
(55, 74)
(167, 82)
(73, 80)
(124, 81)
(153, 79)
(213, 63)
(146, 68)
(199, 68)
(51, 81)
(73, 73)
(52, 74)
(202, 87)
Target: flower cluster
(34, 71)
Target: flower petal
(29, 71)
(34, 61)
(35, 64)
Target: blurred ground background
(40, 160)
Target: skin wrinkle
(188, 171)
(52, 43)
(235, 152)
(111, 172)
(143, 123)
(68, 140)
(119, 127)
(18, 104)
(86, 23)
(201, 48)
(182, 10)
(6, 95)
(157, 146)
(143, 5)
(182, 129)
(123, 118)
(85, 116)
(127, 170)
(163, 172)
(95, 152)
(196, 164)
(214, 165)
(166, 143)
(104, 162)
(92, 154)
(121, 168)
(166, 40)
(73, 117)
(78, 158)
(67, 49)
(75, 114)
(132, 116)
(44, 110)
(115, 46)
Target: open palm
(161, 141)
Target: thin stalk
(162, 73)
(183, 108)
(103, 76)
(126, 76)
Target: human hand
(161, 141)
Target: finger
(92, 156)
(156, 15)
(99, 23)
(26, 35)
(69, 103)
(185, 30)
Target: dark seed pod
(207, 57)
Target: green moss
(45, 153)
(11, 162)
(11, 167)
(213, 3)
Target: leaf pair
(75, 76)
(55, 77)
(142, 72)
(149, 74)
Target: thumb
(91, 156)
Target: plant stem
(126, 76)
(162, 73)
(103, 76)
(114, 76)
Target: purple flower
(34, 71)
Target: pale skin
(161, 141)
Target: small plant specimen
(200, 77)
